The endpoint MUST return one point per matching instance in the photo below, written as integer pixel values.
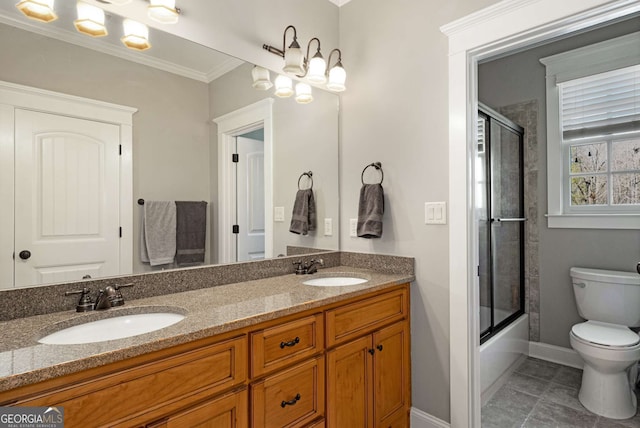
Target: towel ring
(308, 174)
(376, 165)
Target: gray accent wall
(519, 78)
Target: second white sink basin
(117, 327)
(335, 281)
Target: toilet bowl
(607, 389)
(610, 302)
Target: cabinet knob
(293, 342)
(290, 402)
(372, 351)
(379, 347)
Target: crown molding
(495, 10)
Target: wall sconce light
(40, 10)
(337, 75)
(163, 11)
(136, 35)
(314, 69)
(284, 86)
(261, 78)
(303, 93)
(90, 20)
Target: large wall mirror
(182, 95)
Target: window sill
(593, 221)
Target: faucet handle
(84, 304)
(119, 286)
(118, 299)
(301, 268)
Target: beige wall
(395, 111)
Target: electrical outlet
(353, 227)
(278, 213)
(328, 227)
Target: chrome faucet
(110, 297)
(307, 268)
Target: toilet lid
(605, 334)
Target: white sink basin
(335, 281)
(112, 328)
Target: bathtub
(501, 354)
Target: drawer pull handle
(290, 402)
(289, 343)
(379, 347)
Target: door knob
(25, 254)
(638, 267)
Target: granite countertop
(207, 311)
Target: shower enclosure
(501, 220)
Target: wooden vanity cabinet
(368, 378)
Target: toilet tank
(607, 295)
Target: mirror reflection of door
(66, 198)
(250, 197)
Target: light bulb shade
(136, 35)
(284, 86)
(317, 70)
(303, 93)
(90, 20)
(337, 77)
(261, 78)
(293, 59)
(40, 10)
(163, 11)
(118, 2)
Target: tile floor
(540, 394)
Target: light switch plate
(328, 227)
(435, 213)
(278, 213)
(353, 227)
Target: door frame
(507, 26)
(230, 125)
(16, 96)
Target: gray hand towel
(158, 233)
(191, 232)
(370, 211)
(303, 218)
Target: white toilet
(610, 301)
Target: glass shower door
(501, 224)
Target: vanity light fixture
(40, 10)
(118, 2)
(136, 35)
(313, 69)
(303, 93)
(337, 74)
(163, 11)
(90, 20)
(261, 78)
(284, 86)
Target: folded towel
(370, 211)
(158, 233)
(303, 218)
(191, 232)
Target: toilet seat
(609, 336)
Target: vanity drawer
(354, 320)
(285, 344)
(291, 398)
(151, 388)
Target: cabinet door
(228, 411)
(391, 373)
(349, 392)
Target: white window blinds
(601, 104)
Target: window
(593, 135)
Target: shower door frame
(491, 115)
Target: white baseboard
(555, 354)
(420, 419)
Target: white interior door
(66, 198)
(250, 199)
